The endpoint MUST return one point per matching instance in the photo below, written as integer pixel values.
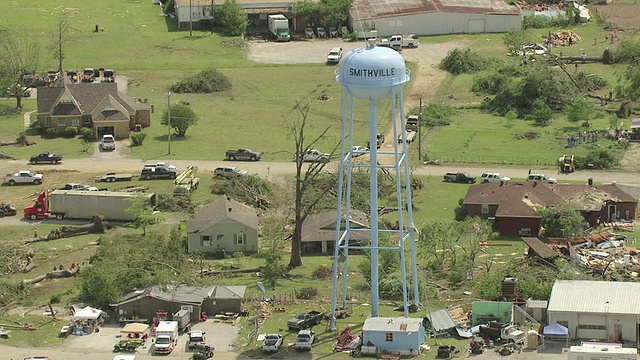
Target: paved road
(280, 169)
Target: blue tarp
(555, 330)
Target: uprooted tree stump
(96, 226)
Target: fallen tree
(55, 274)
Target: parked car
(461, 177)
(541, 178)
(305, 339)
(45, 157)
(493, 177)
(108, 142)
(196, 337)
(334, 55)
(272, 342)
(24, 177)
(229, 172)
(305, 320)
(412, 123)
(359, 150)
(242, 154)
(315, 155)
(379, 141)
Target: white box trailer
(80, 204)
(587, 352)
(279, 27)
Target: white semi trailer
(590, 351)
(80, 204)
(279, 27)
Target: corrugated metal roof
(537, 304)
(605, 297)
(391, 324)
(440, 320)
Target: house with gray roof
(144, 305)
(606, 310)
(223, 225)
(319, 231)
(97, 106)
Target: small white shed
(397, 335)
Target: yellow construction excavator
(186, 182)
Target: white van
(108, 142)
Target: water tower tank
(372, 72)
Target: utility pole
(190, 19)
(168, 96)
(420, 133)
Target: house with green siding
(223, 225)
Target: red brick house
(515, 205)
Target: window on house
(205, 240)
(389, 337)
(485, 208)
(240, 239)
(47, 122)
(75, 122)
(591, 327)
(62, 122)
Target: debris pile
(602, 254)
(564, 38)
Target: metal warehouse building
(426, 17)
(597, 309)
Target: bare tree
(62, 37)
(303, 179)
(17, 53)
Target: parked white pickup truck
(24, 177)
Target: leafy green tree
(207, 81)
(541, 113)
(232, 18)
(436, 243)
(137, 138)
(274, 267)
(515, 38)
(438, 114)
(580, 109)
(460, 61)
(308, 10)
(126, 261)
(472, 232)
(18, 52)
(182, 117)
(143, 213)
(562, 221)
(629, 84)
(335, 12)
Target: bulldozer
(567, 164)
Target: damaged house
(513, 205)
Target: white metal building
(597, 309)
(395, 334)
(433, 17)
